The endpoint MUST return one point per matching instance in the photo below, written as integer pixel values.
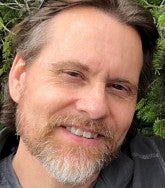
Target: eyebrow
(70, 65)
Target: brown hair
(32, 29)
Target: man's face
(80, 93)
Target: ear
(17, 78)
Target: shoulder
(148, 156)
(4, 172)
(8, 178)
(142, 145)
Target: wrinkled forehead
(72, 27)
(87, 19)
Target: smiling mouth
(82, 133)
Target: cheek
(45, 101)
(122, 116)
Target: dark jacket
(141, 165)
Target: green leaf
(1, 71)
(159, 128)
(1, 23)
(161, 20)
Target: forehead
(87, 24)
(93, 37)
(72, 27)
(90, 18)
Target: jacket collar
(117, 174)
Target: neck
(30, 172)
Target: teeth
(81, 133)
(87, 134)
(78, 132)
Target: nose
(94, 103)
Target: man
(74, 87)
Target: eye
(73, 73)
(118, 87)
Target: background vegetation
(150, 110)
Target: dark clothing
(143, 168)
(141, 165)
(7, 176)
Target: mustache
(98, 126)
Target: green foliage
(148, 109)
(1, 23)
(11, 12)
(159, 128)
(161, 19)
(151, 3)
(7, 54)
(158, 60)
(152, 108)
